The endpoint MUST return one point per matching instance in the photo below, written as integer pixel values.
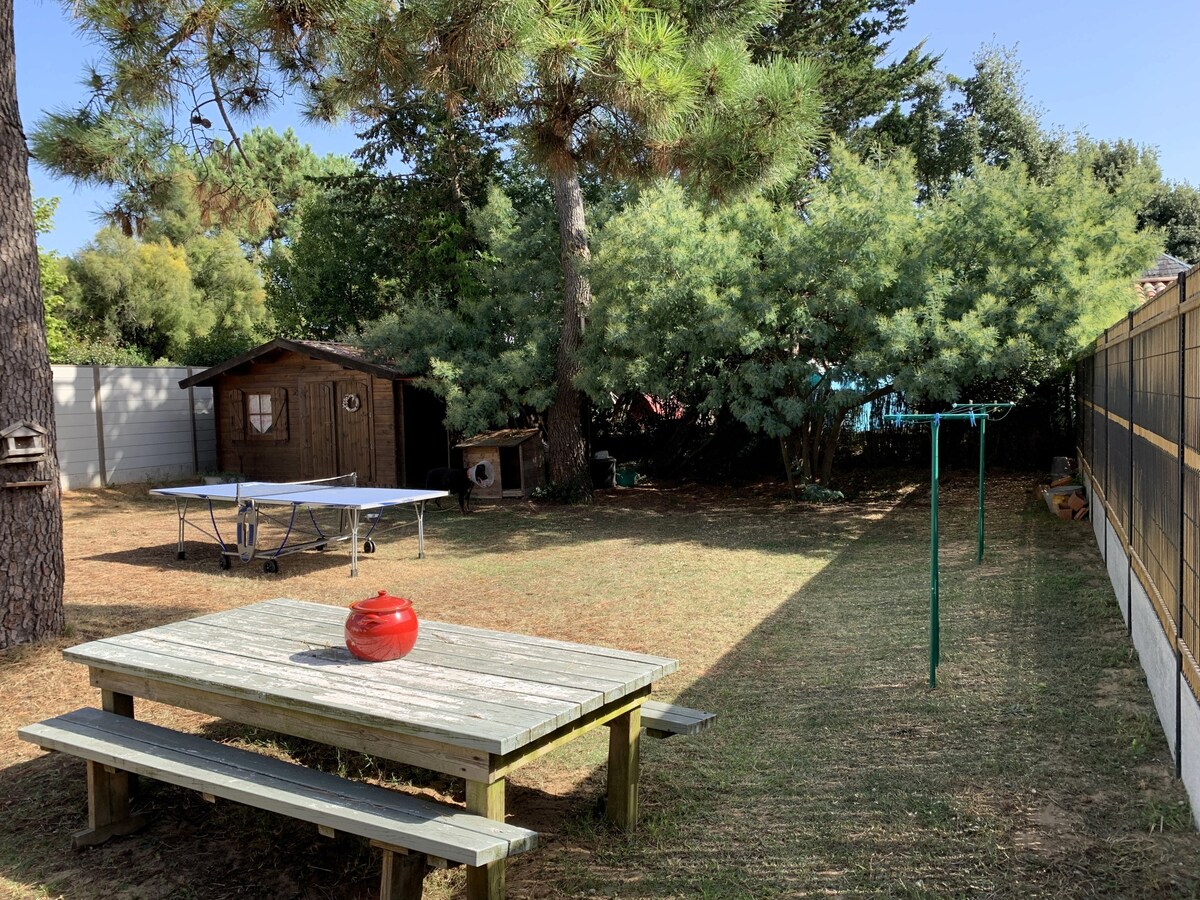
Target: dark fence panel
(1189, 612)
(1139, 438)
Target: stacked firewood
(1066, 504)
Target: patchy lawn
(1035, 769)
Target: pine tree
(31, 549)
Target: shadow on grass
(204, 558)
(187, 845)
(644, 516)
(1032, 770)
(89, 622)
(195, 849)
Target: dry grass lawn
(1035, 769)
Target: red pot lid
(383, 602)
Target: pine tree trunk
(564, 426)
(31, 551)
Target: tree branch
(212, 75)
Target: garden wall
(123, 424)
(1139, 446)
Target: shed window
(259, 414)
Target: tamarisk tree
(791, 323)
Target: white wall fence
(1177, 708)
(119, 424)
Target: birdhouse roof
(22, 429)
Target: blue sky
(1107, 67)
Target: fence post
(1107, 458)
(192, 422)
(1129, 481)
(99, 426)
(1182, 530)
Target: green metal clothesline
(975, 413)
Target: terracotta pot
(380, 628)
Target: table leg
(484, 799)
(624, 757)
(109, 789)
(420, 529)
(181, 506)
(403, 876)
(121, 704)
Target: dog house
(299, 410)
(516, 459)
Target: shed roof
(507, 437)
(346, 355)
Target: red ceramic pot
(381, 628)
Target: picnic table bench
(414, 833)
(664, 720)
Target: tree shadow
(212, 851)
(755, 518)
(92, 621)
(201, 558)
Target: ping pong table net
(253, 490)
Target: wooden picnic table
(468, 702)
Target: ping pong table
(276, 519)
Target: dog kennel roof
(506, 437)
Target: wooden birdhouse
(24, 442)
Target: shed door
(322, 445)
(355, 447)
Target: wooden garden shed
(295, 410)
(517, 460)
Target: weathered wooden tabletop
(489, 691)
(466, 701)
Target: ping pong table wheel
(224, 561)
(369, 547)
(271, 566)
(181, 555)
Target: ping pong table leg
(420, 529)
(181, 506)
(353, 542)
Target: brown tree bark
(564, 425)
(831, 442)
(31, 551)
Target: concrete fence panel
(125, 424)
